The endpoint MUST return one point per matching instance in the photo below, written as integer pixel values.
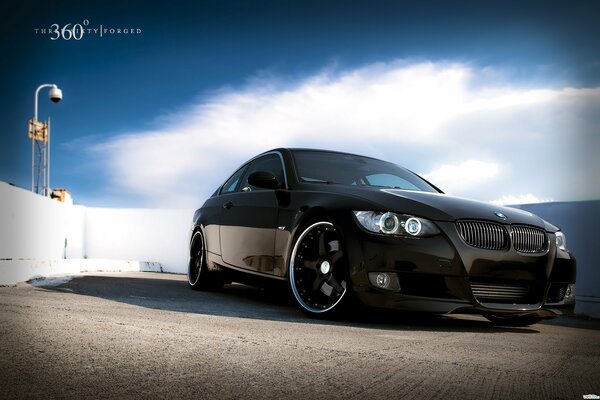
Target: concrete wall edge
(22, 270)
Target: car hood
(442, 207)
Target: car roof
(294, 149)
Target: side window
(269, 163)
(232, 183)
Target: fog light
(385, 280)
(570, 293)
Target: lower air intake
(499, 292)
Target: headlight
(561, 241)
(391, 223)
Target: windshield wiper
(386, 187)
(314, 180)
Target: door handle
(228, 205)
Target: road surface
(146, 335)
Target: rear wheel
(318, 271)
(199, 277)
(517, 321)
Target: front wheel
(318, 271)
(199, 277)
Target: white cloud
(427, 117)
(467, 174)
(520, 199)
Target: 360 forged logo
(79, 30)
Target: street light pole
(55, 95)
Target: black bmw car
(341, 227)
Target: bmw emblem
(500, 215)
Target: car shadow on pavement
(171, 293)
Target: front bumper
(443, 274)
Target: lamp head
(55, 94)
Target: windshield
(347, 169)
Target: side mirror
(263, 180)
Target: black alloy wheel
(318, 273)
(199, 277)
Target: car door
(249, 220)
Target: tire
(318, 271)
(514, 321)
(199, 277)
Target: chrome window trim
(244, 165)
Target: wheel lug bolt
(325, 267)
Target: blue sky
(493, 100)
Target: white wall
(75, 232)
(33, 227)
(139, 234)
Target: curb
(22, 270)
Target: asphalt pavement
(147, 335)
